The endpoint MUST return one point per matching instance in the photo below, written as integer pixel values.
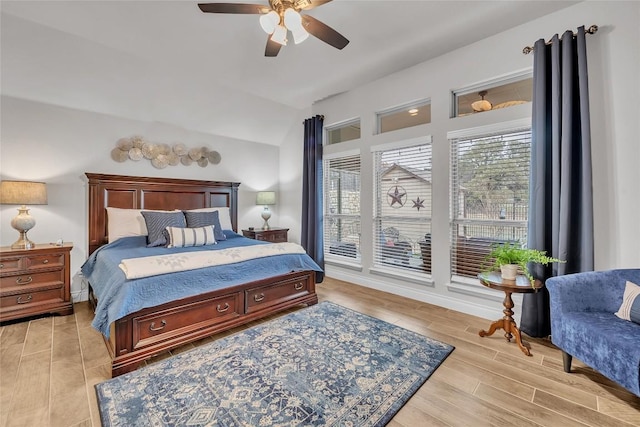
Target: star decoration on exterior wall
(418, 203)
(396, 195)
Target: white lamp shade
(269, 21)
(280, 35)
(266, 198)
(23, 193)
(293, 22)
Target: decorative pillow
(200, 219)
(630, 308)
(224, 215)
(157, 222)
(179, 237)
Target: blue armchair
(583, 324)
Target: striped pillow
(179, 237)
(630, 308)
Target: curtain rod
(591, 30)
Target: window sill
(343, 263)
(409, 276)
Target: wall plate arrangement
(162, 155)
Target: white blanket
(135, 268)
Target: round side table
(519, 286)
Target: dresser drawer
(10, 265)
(272, 236)
(25, 300)
(267, 296)
(39, 262)
(160, 326)
(31, 281)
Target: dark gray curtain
(561, 205)
(311, 238)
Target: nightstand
(273, 234)
(35, 281)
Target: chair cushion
(604, 342)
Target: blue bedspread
(118, 297)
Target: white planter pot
(509, 271)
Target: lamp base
(266, 214)
(23, 242)
(23, 222)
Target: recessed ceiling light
(413, 111)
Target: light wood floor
(49, 366)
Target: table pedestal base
(509, 325)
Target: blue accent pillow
(157, 222)
(202, 219)
(630, 307)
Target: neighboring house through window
(402, 206)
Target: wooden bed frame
(148, 332)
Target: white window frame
(407, 274)
(477, 132)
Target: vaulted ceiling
(166, 61)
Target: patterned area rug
(323, 365)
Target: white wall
(58, 145)
(614, 67)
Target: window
(416, 113)
(342, 207)
(507, 92)
(343, 132)
(402, 206)
(489, 195)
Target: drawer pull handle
(1, 265)
(19, 280)
(298, 286)
(152, 326)
(222, 310)
(258, 297)
(46, 261)
(20, 301)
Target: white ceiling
(168, 62)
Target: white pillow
(224, 215)
(125, 223)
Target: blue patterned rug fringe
(324, 365)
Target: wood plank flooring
(49, 366)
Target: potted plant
(508, 257)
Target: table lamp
(23, 193)
(266, 198)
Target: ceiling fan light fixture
(293, 22)
(280, 35)
(483, 104)
(270, 21)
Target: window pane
(403, 117)
(343, 132)
(402, 212)
(499, 96)
(342, 207)
(490, 196)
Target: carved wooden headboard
(134, 192)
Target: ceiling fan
(281, 16)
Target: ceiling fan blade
(324, 32)
(272, 48)
(233, 8)
(314, 4)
